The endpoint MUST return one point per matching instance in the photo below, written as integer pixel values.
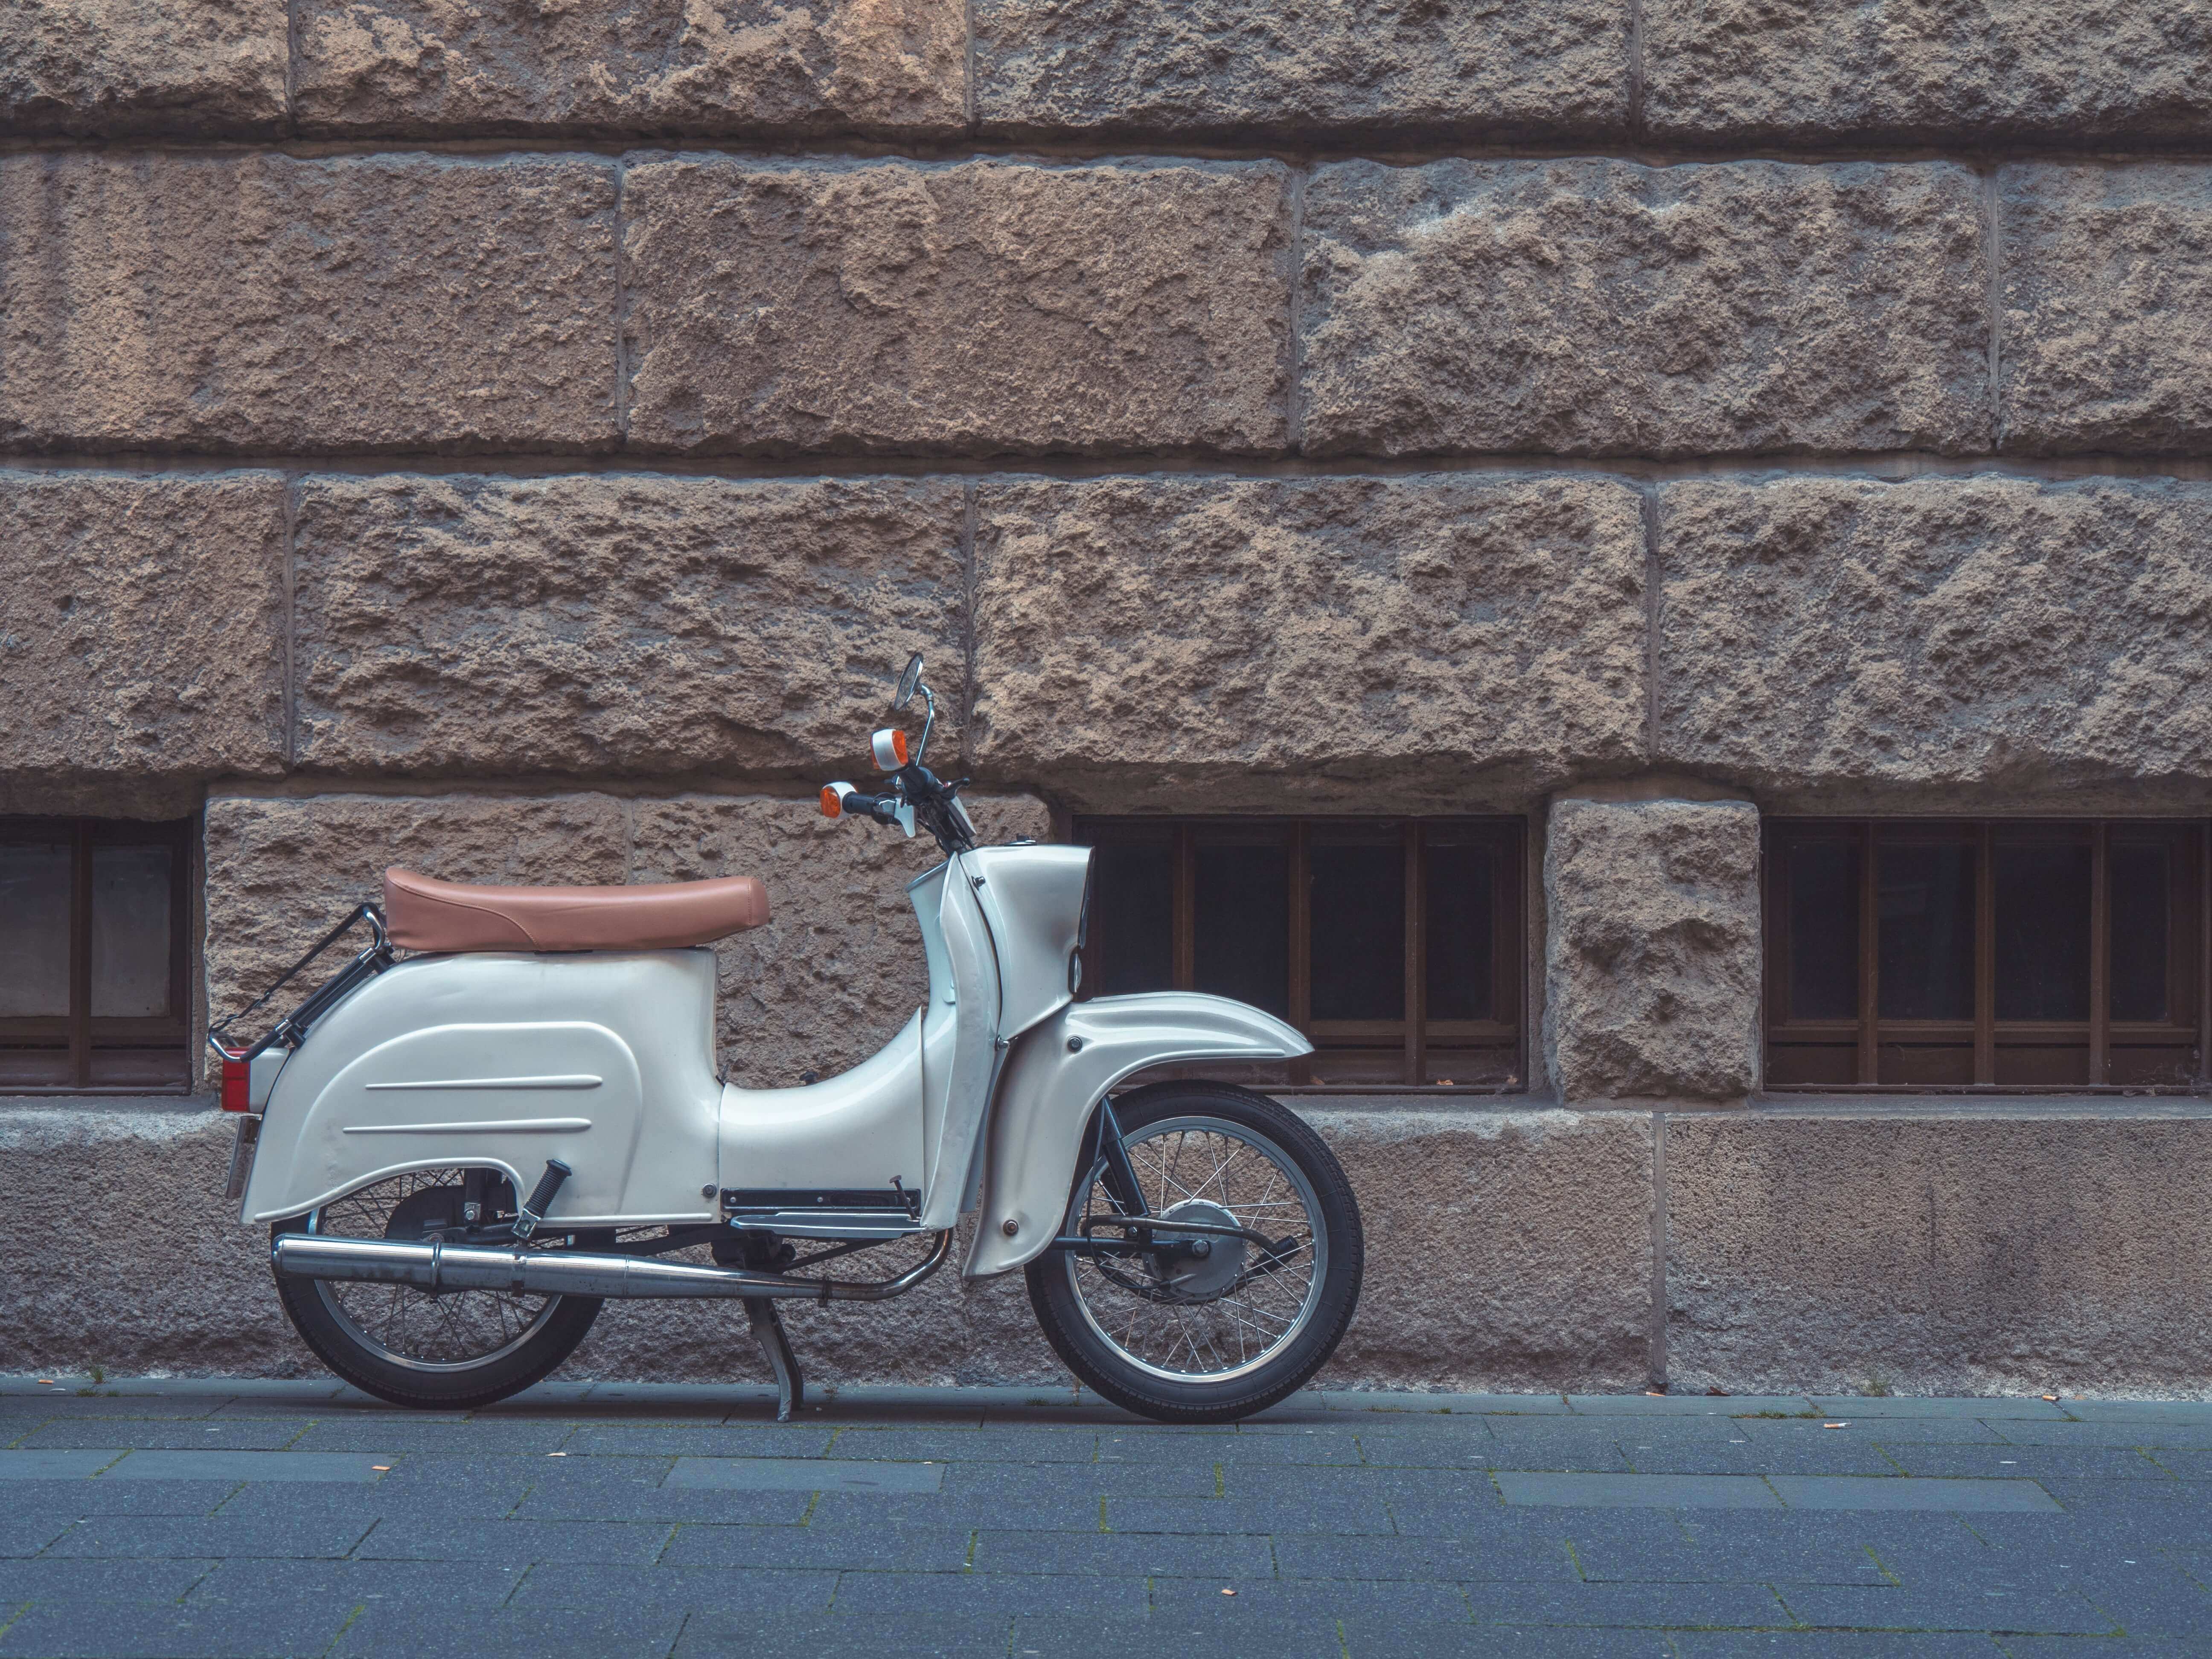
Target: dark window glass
(1132, 919)
(2031, 914)
(1927, 931)
(93, 918)
(1458, 925)
(1359, 931)
(35, 930)
(130, 906)
(1824, 930)
(1241, 905)
(2042, 903)
(2141, 902)
(1307, 918)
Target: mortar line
(292, 66)
(1398, 147)
(622, 301)
(1648, 519)
(1635, 69)
(294, 483)
(1657, 1353)
(1881, 465)
(1294, 396)
(968, 586)
(967, 71)
(1993, 298)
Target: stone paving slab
(591, 1520)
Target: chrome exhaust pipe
(438, 1266)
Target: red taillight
(237, 1086)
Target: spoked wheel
(418, 1347)
(1206, 1326)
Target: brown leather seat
(422, 914)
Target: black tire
(317, 1310)
(1327, 1296)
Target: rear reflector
(237, 1086)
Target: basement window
(96, 928)
(2009, 955)
(1395, 944)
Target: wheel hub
(1198, 1267)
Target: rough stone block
(1153, 634)
(704, 66)
(265, 302)
(1604, 307)
(282, 872)
(1996, 632)
(142, 627)
(2107, 281)
(1244, 66)
(173, 1288)
(1732, 71)
(834, 974)
(1505, 1250)
(978, 308)
(838, 968)
(618, 623)
(104, 68)
(1969, 1256)
(1652, 953)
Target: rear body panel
(504, 1060)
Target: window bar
(1185, 930)
(2204, 953)
(2100, 955)
(1985, 956)
(80, 999)
(1417, 1058)
(1870, 957)
(1300, 942)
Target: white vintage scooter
(463, 1150)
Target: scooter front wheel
(1228, 1316)
(447, 1349)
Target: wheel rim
(411, 1328)
(1187, 1322)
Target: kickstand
(767, 1331)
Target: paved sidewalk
(242, 1519)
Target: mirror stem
(928, 723)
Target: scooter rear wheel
(451, 1349)
(1208, 1327)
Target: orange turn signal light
(890, 747)
(831, 807)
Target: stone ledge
(1559, 1200)
(1954, 1255)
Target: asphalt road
(245, 1519)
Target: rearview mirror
(909, 682)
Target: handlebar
(917, 797)
(839, 798)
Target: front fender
(1053, 1080)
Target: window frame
(2189, 961)
(1416, 1034)
(82, 1032)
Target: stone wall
(521, 441)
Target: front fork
(1120, 1174)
